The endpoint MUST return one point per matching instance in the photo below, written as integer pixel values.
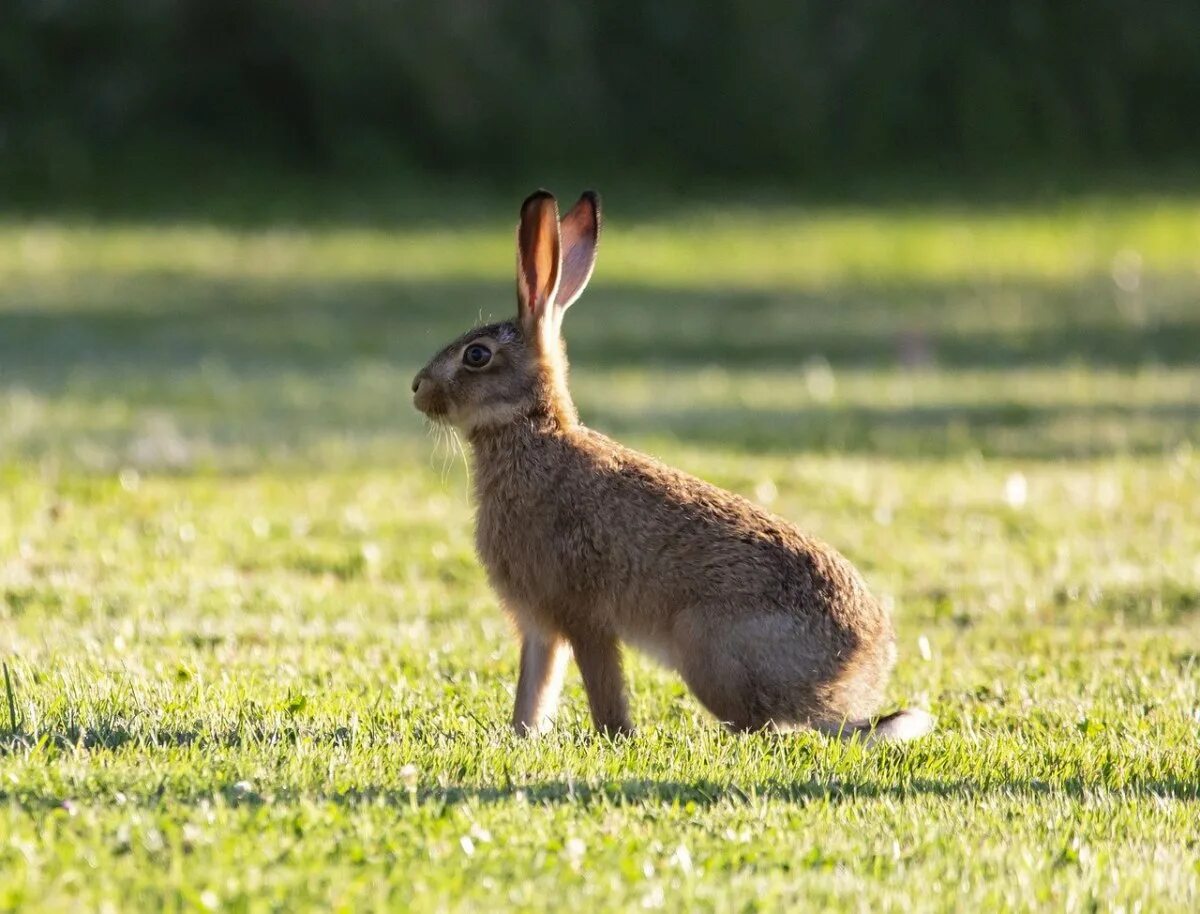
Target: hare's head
(500, 373)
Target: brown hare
(590, 544)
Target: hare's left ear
(580, 230)
(539, 262)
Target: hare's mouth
(435, 412)
(438, 416)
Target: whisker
(443, 451)
(449, 446)
(462, 451)
(435, 431)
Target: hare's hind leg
(543, 661)
(756, 675)
(720, 683)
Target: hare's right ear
(539, 263)
(580, 231)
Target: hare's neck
(513, 460)
(554, 398)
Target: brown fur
(591, 545)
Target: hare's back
(684, 532)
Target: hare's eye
(476, 356)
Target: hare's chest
(517, 543)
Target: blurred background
(922, 277)
(856, 255)
(120, 100)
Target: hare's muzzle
(428, 396)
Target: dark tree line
(772, 88)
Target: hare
(590, 544)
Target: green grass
(254, 664)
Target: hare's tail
(893, 728)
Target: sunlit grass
(255, 665)
(697, 246)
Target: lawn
(254, 665)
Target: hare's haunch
(590, 544)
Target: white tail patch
(894, 728)
(904, 725)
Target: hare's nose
(417, 381)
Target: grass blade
(12, 701)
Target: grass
(252, 664)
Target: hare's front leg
(543, 662)
(599, 659)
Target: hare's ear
(580, 230)
(539, 261)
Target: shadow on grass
(116, 735)
(670, 793)
(155, 323)
(262, 362)
(997, 429)
(702, 793)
